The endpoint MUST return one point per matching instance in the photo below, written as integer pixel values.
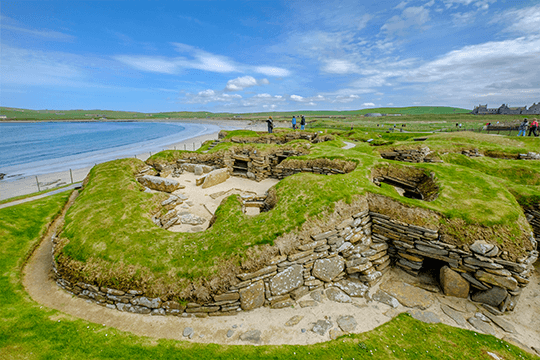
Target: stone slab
(408, 295)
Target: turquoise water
(39, 148)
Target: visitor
(294, 122)
(270, 124)
(523, 127)
(534, 127)
(303, 123)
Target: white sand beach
(29, 185)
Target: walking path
(348, 145)
(41, 196)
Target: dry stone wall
(343, 257)
(347, 260)
(479, 270)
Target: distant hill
(27, 114)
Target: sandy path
(270, 322)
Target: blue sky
(239, 56)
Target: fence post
(71, 175)
(37, 182)
(193, 146)
(184, 146)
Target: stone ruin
(347, 256)
(346, 260)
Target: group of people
(524, 126)
(270, 123)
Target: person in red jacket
(533, 128)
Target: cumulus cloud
(240, 83)
(368, 104)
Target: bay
(40, 148)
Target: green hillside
(28, 114)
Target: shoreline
(10, 188)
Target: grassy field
(28, 114)
(119, 246)
(30, 331)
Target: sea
(40, 148)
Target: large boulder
(408, 295)
(252, 296)
(453, 284)
(159, 183)
(328, 269)
(215, 177)
(289, 279)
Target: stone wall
(479, 270)
(410, 155)
(343, 258)
(346, 259)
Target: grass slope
(29, 331)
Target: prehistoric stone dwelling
(505, 110)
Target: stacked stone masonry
(346, 260)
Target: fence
(31, 184)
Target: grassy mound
(30, 331)
(110, 240)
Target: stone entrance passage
(408, 181)
(240, 167)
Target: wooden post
(37, 182)
(193, 146)
(184, 146)
(71, 175)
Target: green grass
(31, 331)
(42, 115)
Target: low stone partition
(277, 138)
(410, 155)
(478, 270)
(529, 156)
(533, 217)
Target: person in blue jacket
(294, 122)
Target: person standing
(534, 127)
(303, 123)
(294, 122)
(523, 127)
(270, 124)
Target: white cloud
(521, 21)
(480, 4)
(149, 63)
(7, 23)
(345, 98)
(368, 104)
(210, 96)
(297, 98)
(196, 59)
(240, 83)
(401, 5)
(339, 66)
(412, 17)
(272, 71)
(464, 19)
